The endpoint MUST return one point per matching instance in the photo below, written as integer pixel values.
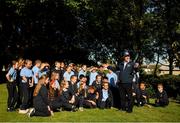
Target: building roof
(166, 68)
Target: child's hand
(134, 94)
(145, 96)
(93, 102)
(52, 113)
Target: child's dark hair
(105, 83)
(14, 62)
(160, 84)
(92, 88)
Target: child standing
(27, 82)
(11, 86)
(161, 96)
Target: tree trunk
(155, 69)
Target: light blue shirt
(35, 71)
(104, 94)
(13, 73)
(112, 78)
(67, 75)
(82, 72)
(26, 72)
(57, 84)
(92, 77)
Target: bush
(171, 83)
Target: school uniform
(19, 91)
(81, 96)
(44, 71)
(11, 87)
(163, 99)
(92, 77)
(105, 99)
(41, 103)
(53, 93)
(82, 72)
(26, 92)
(97, 85)
(143, 100)
(64, 98)
(62, 71)
(125, 85)
(35, 71)
(73, 89)
(67, 75)
(112, 78)
(57, 70)
(92, 97)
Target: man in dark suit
(127, 68)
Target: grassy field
(145, 114)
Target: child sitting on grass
(161, 97)
(92, 97)
(105, 96)
(144, 97)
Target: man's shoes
(129, 111)
(10, 109)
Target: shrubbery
(171, 84)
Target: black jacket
(162, 97)
(126, 75)
(41, 100)
(65, 96)
(110, 97)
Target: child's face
(105, 86)
(62, 64)
(83, 85)
(29, 64)
(66, 85)
(16, 65)
(38, 64)
(142, 86)
(69, 69)
(84, 79)
(47, 81)
(58, 65)
(160, 88)
(98, 79)
(91, 91)
(57, 76)
(74, 79)
(84, 67)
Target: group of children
(40, 90)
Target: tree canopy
(90, 30)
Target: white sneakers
(23, 111)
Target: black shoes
(10, 109)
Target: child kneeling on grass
(40, 101)
(161, 97)
(144, 97)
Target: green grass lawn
(145, 114)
